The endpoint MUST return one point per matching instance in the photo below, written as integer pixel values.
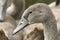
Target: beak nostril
(30, 12)
(20, 23)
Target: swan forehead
(37, 8)
(38, 5)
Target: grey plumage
(41, 13)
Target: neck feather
(50, 29)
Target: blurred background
(30, 2)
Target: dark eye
(30, 12)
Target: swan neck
(50, 30)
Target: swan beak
(20, 26)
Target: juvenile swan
(40, 13)
(8, 24)
(16, 8)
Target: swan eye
(30, 12)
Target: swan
(8, 23)
(16, 8)
(39, 13)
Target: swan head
(3, 6)
(37, 13)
